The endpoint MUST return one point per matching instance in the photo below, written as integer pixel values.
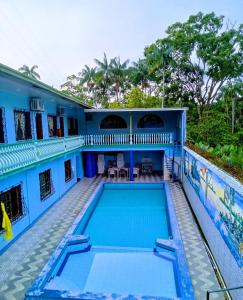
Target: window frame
(69, 168)
(48, 191)
(149, 128)
(115, 128)
(54, 125)
(27, 115)
(72, 131)
(21, 204)
(3, 125)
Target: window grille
(45, 184)
(12, 200)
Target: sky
(61, 36)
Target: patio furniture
(124, 172)
(136, 172)
(101, 164)
(111, 172)
(120, 160)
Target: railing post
(130, 139)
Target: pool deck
(23, 261)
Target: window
(113, 122)
(72, 126)
(52, 126)
(13, 203)
(22, 125)
(68, 170)
(1, 127)
(45, 183)
(150, 121)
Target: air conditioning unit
(60, 111)
(36, 104)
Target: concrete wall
(34, 207)
(216, 198)
(10, 101)
(172, 123)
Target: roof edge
(18, 75)
(136, 109)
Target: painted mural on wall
(222, 202)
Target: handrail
(223, 290)
(126, 138)
(23, 154)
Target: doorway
(61, 127)
(38, 125)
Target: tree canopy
(197, 64)
(30, 72)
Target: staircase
(170, 161)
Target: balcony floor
(24, 260)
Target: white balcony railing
(123, 138)
(23, 154)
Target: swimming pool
(124, 242)
(128, 216)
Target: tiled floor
(23, 261)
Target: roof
(9, 72)
(136, 109)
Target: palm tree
(159, 59)
(103, 79)
(118, 74)
(88, 77)
(104, 67)
(139, 74)
(30, 72)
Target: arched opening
(150, 121)
(113, 122)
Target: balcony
(126, 139)
(23, 154)
(14, 157)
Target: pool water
(118, 271)
(129, 217)
(121, 257)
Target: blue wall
(217, 201)
(12, 100)
(172, 123)
(29, 181)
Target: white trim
(97, 110)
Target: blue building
(50, 140)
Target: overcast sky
(61, 36)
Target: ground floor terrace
(24, 260)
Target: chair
(101, 164)
(111, 171)
(136, 171)
(120, 160)
(123, 173)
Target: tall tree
(103, 79)
(88, 78)
(139, 75)
(159, 58)
(205, 56)
(118, 75)
(30, 72)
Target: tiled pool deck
(24, 260)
